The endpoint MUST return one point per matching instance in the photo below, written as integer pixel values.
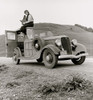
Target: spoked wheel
(79, 61)
(16, 60)
(49, 58)
(15, 57)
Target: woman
(27, 21)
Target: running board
(72, 56)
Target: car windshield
(46, 34)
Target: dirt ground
(32, 81)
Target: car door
(11, 42)
(28, 48)
(28, 43)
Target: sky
(64, 12)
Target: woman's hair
(26, 11)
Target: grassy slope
(2, 45)
(73, 32)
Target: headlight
(74, 42)
(58, 42)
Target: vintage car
(44, 47)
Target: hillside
(2, 45)
(85, 28)
(74, 32)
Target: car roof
(54, 37)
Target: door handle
(7, 44)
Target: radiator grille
(66, 44)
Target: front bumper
(72, 56)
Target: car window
(46, 34)
(11, 36)
(49, 33)
(43, 34)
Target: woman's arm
(30, 19)
(23, 20)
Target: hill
(85, 28)
(74, 32)
(2, 46)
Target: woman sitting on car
(27, 21)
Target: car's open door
(11, 42)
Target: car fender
(55, 49)
(79, 48)
(41, 43)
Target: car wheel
(15, 57)
(49, 58)
(79, 61)
(16, 60)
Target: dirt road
(20, 82)
(63, 68)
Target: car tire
(80, 60)
(49, 58)
(15, 57)
(16, 60)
